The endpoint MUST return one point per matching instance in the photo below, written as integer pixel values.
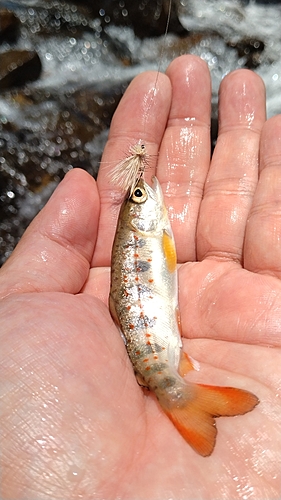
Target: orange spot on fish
(136, 255)
(155, 357)
(145, 360)
(147, 368)
(137, 353)
(137, 278)
(149, 260)
(148, 342)
(151, 281)
(131, 326)
(128, 308)
(169, 252)
(148, 334)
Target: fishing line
(163, 46)
(130, 170)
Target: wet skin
(74, 422)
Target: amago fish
(144, 304)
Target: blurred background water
(64, 66)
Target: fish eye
(139, 195)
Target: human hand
(74, 421)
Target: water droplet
(75, 473)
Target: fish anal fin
(195, 419)
(185, 364)
(140, 380)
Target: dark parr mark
(142, 266)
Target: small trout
(144, 305)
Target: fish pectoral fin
(185, 364)
(169, 250)
(140, 380)
(196, 420)
(112, 309)
(113, 313)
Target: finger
(54, 253)
(184, 156)
(233, 174)
(262, 242)
(141, 115)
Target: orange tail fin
(195, 420)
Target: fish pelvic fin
(196, 419)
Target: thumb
(55, 251)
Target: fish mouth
(154, 190)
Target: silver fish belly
(144, 296)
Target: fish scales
(141, 281)
(144, 304)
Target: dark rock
(9, 26)
(58, 140)
(251, 49)
(61, 132)
(148, 18)
(118, 48)
(19, 67)
(59, 18)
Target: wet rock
(19, 67)
(63, 138)
(118, 48)
(180, 46)
(148, 18)
(59, 18)
(9, 26)
(250, 49)
(36, 152)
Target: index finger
(184, 157)
(141, 115)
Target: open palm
(74, 422)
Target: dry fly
(130, 170)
